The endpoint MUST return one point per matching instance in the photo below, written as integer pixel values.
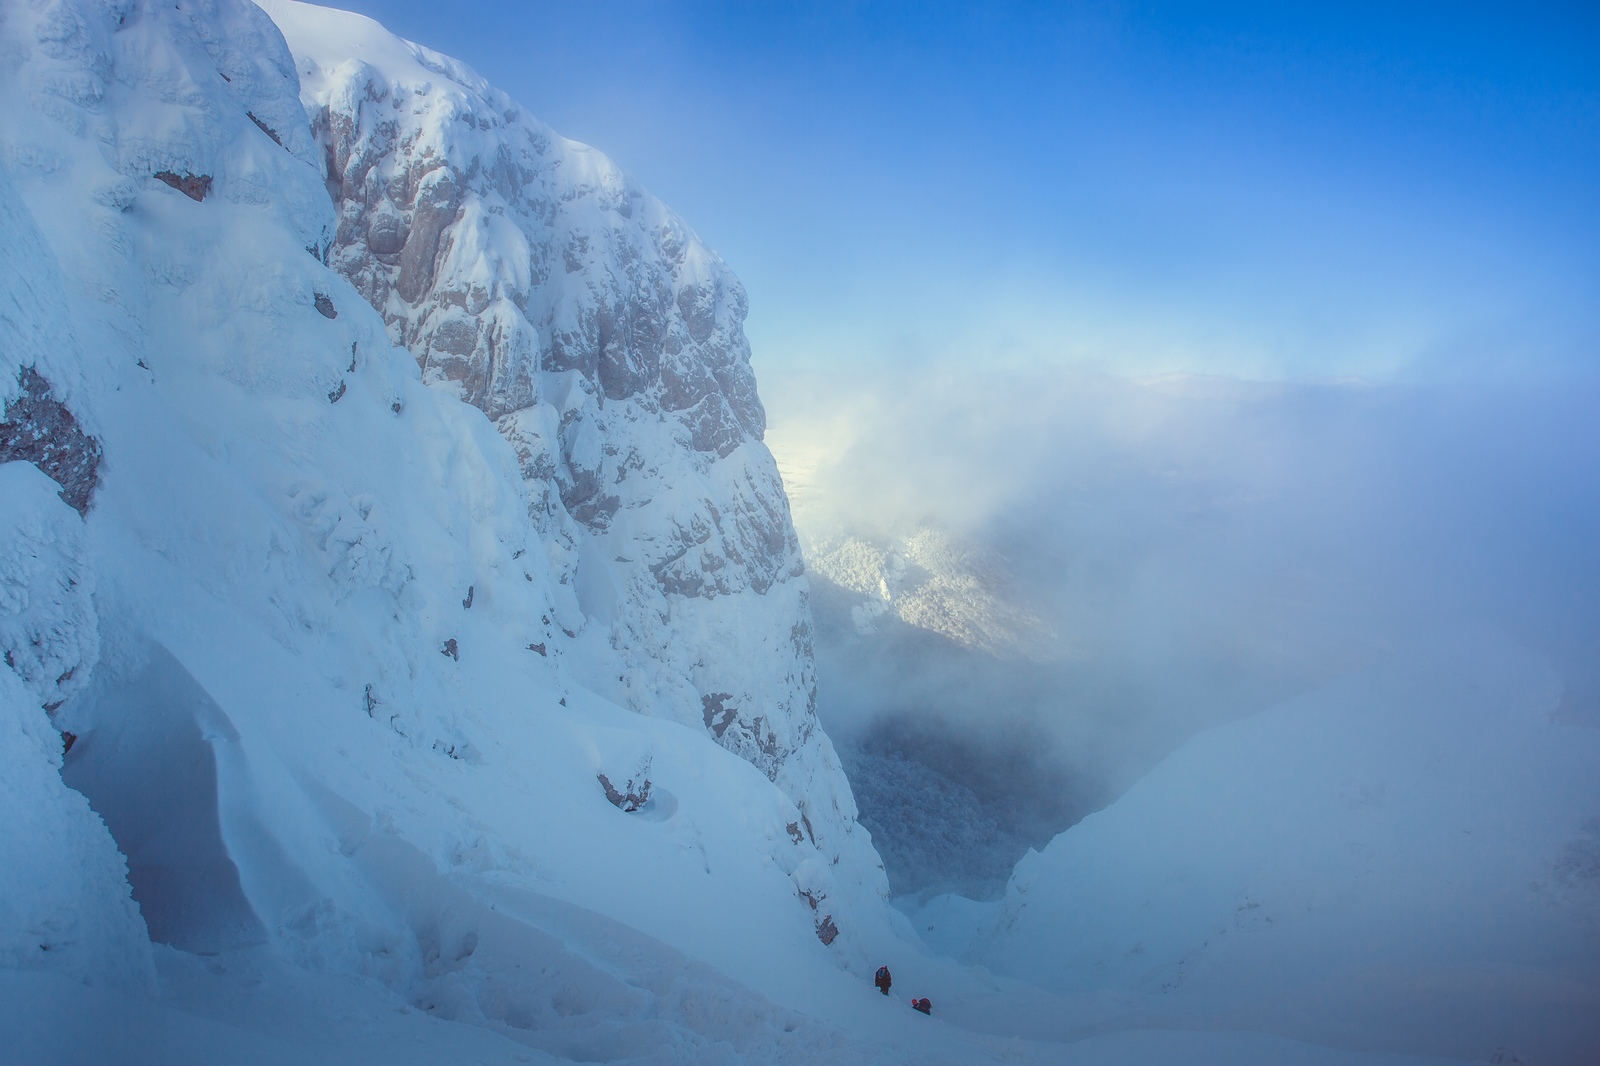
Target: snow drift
(64, 900)
(1406, 860)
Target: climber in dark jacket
(923, 1005)
(883, 980)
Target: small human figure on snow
(882, 979)
(924, 1005)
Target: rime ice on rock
(64, 900)
(290, 524)
(37, 428)
(48, 632)
(606, 342)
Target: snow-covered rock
(49, 636)
(606, 343)
(64, 900)
(934, 581)
(338, 649)
(65, 905)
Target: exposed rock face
(606, 343)
(195, 186)
(37, 428)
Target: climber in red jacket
(882, 979)
(923, 1004)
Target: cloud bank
(1193, 549)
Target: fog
(1151, 557)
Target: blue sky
(1257, 189)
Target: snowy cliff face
(351, 673)
(605, 342)
(65, 905)
(64, 899)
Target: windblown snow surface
(379, 473)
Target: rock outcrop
(36, 427)
(606, 342)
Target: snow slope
(332, 667)
(64, 901)
(1409, 861)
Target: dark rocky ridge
(37, 428)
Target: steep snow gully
(382, 486)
